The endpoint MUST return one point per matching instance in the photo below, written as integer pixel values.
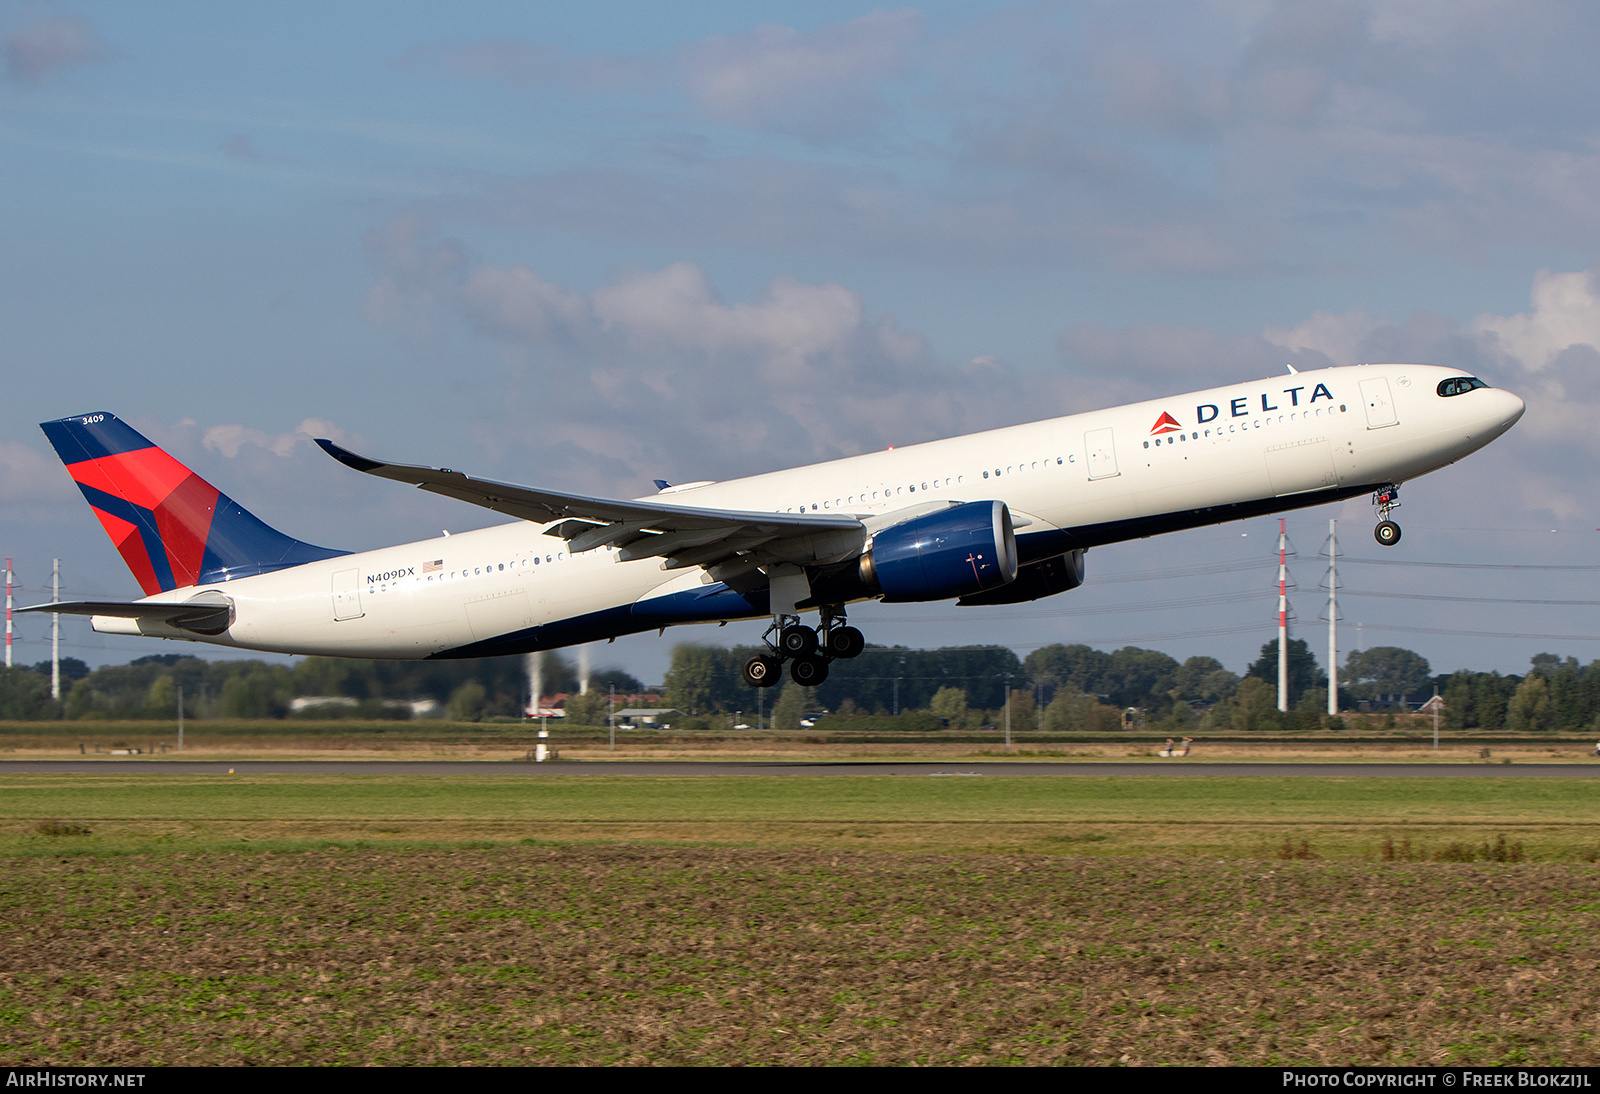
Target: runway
(709, 769)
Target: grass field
(1554, 819)
(206, 918)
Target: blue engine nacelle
(959, 551)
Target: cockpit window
(1459, 385)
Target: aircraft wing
(681, 535)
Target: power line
(1113, 609)
(1180, 571)
(1236, 567)
(1482, 634)
(1543, 531)
(1207, 632)
(1476, 599)
(1466, 565)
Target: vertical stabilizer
(172, 528)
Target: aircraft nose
(1499, 412)
(1510, 408)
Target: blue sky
(590, 246)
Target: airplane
(999, 517)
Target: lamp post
(1008, 711)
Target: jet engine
(1035, 581)
(959, 551)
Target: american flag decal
(436, 564)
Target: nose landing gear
(1387, 532)
(807, 652)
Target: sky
(588, 246)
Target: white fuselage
(1075, 481)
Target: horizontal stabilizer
(208, 613)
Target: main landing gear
(1387, 532)
(807, 651)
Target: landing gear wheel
(808, 671)
(762, 671)
(846, 642)
(1387, 533)
(797, 641)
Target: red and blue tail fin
(172, 527)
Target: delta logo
(1165, 424)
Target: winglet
(347, 457)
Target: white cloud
(815, 83)
(289, 482)
(790, 324)
(1172, 137)
(1337, 337)
(227, 440)
(654, 375)
(1149, 360)
(777, 76)
(518, 302)
(50, 45)
(1565, 313)
(27, 475)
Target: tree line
(1057, 688)
(149, 688)
(1072, 688)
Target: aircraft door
(1380, 405)
(505, 611)
(1102, 454)
(1299, 466)
(347, 595)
